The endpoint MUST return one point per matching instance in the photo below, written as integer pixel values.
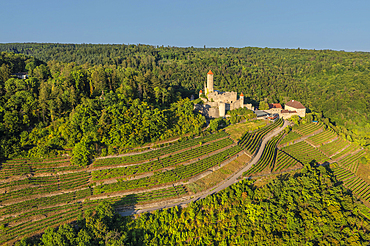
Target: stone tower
(241, 99)
(209, 82)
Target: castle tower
(241, 99)
(209, 82)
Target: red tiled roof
(210, 72)
(295, 104)
(200, 91)
(275, 105)
(241, 94)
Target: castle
(216, 103)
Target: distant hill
(332, 82)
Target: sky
(335, 25)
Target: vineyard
(157, 153)
(36, 193)
(351, 162)
(307, 129)
(305, 153)
(162, 163)
(332, 148)
(321, 138)
(291, 136)
(268, 157)
(356, 184)
(284, 161)
(251, 141)
(35, 166)
(180, 173)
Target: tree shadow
(127, 202)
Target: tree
(81, 153)
(4, 73)
(263, 105)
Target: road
(233, 179)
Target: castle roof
(295, 104)
(241, 94)
(210, 72)
(275, 105)
(200, 92)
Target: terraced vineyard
(356, 184)
(351, 148)
(37, 193)
(168, 177)
(283, 161)
(157, 153)
(332, 148)
(251, 141)
(268, 156)
(322, 137)
(161, 163)
(305, 153)
(307, 129)
(351, 162)
(35, 166)
(291, 136)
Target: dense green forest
(92, 97)
(308, 208)
(86, 108)
(333, 83)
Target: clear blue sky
(337, 25)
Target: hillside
(308, 207)
(334, 83)
(112, 124)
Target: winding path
(233, 179)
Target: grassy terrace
(236, 131)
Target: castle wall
(222, 109)
(226, 97)
(249, 106)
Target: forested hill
(336, 83)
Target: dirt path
(226, 183)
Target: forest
(82, 101)
(70, 86)
(308, 208)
